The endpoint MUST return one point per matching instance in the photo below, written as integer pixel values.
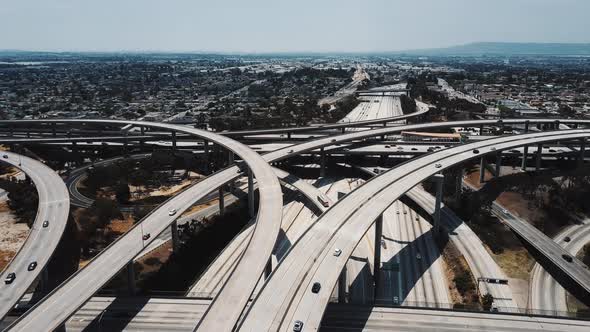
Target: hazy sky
(278, 25)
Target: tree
(122, 192)
(486, 301)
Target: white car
(172, 212)
(418, 256)
(337, 252)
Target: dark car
(5, 156)
(46, 224)
(10, 278)
(316, 287)
(146, 236)
(568, 258)
(567, 239)
(32, 266)
(298, 327)
(476, 151)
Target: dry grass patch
(5, 257)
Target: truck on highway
(323, 201)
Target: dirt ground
(454, 264)
(152, 262)
(13, 234)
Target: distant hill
(489, 48)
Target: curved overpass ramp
(286, 296)
(54, 206)
(54, 309)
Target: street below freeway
(479, 260)
(54, 207)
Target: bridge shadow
(361, 289)
(118, 314)
(411, 268)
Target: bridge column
(342, 286)
(53, 124)
(221, 201)
(557, 123)
(175, 240)
(230, 161)
(377, 254)
(343, 130)
(501, 124)
(480, 130)
(582, 151)
(268, 268)
(524, 157)
(206, 152)
(44, 281)
(459, 184)
(288, 135)
(142, 131)
(322, 163)
(251, 193)
(131, 278)
(482, 169)
(498, 163)
(173, 141)
(538, 161)
(526, 126)
(125, 146)
(439, 179)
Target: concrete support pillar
(173, 141)
(206, 153)
(539, 155)
(526, 127)
(251, 208)
(322, 163)
(482, 169)
(480, 129)
(343, 130)
(459, 184)
(342, 286)
(498, 163)
(582, 151)
(557, 123)
(131, 278)
(439, 179)
(289, 135)
(230, 161)
(125, 146)
(44, 281)
(53, 124)
(175, 239)
(377, 254)
(142, 131)
(268, 268)
(221, 201)
(525, 155)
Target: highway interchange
(304, 254)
